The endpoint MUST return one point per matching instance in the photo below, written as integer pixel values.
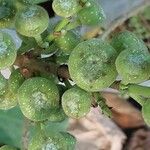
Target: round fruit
(68, 41)
(15, 81)
(65, 8)
(70, 140)
(8, 100)
(92, 14)
(57, 115)
(133, 66)
(62, 58)
(128, 40)
(146, 111)
(76, 102)
(32, 1)
(38, 97)
(32, 21)
(8, 50)
(91, 65)
(7, 147)
(52, 142)
(3, 84)
(7, 13)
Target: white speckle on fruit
(49, 146)
(3, 47)
(73, 106)
(39, 99)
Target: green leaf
(11, 127)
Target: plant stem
(61, 24)
(102, 104)
(73, 25)
(39, 40)
(139, 90)
(50, 37)
(58, 28)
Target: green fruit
(128, 40)
(8, 90)
(8, 51)
(32, 21)
(146, 111)
(32, 1)
(6, 147)
(133, 66)
(68, 41)
(7, 14)
(65, 8)
(3, 84)
(70, 140)
(52, 142)
(91, 65)
(38, 97)
(15, 81)
(57, 115)
(62, 58)
(8, 100)
(76, 102)
(92, 14)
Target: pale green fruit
(133, 66)
(128, 40)
(65, 8)
(7, 13)
(91, 65)
(68, 41)
(8, 50)
(92, 14)
(32, 21)
(55, 141)
(76, 102)
(3, 84)
(38, 97)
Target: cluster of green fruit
(93, 65)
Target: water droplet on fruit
(3, 47)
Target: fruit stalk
(73, 25)
(61, 24)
